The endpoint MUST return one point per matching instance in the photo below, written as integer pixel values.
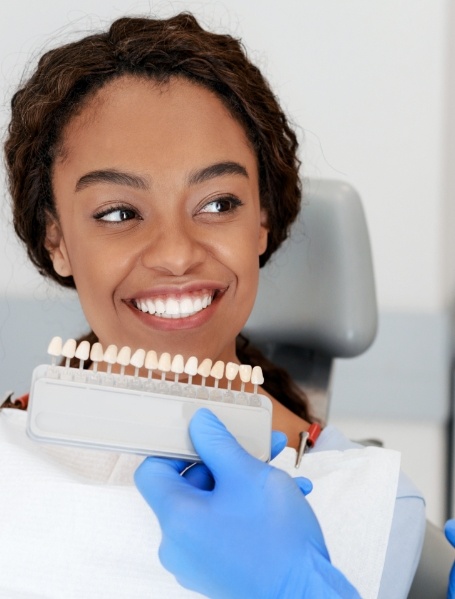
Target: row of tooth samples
(161, 365)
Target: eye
(116, 214)
(222, 205)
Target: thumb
(159, 481)
(218, 448)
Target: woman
(152, 169)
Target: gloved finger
(158, 480)
(449, 530)
(218, 449)
(304, 484)
(279, 441)
(200, 477)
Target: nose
(175, 248)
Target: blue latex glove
(249, 534)
(450, 534)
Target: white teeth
(160, 306)
(150, 307)
(186, 306)
(174, 308)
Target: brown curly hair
(68, 76)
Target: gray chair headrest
(318, 290)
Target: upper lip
(176, 291)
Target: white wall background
(365, 81)
(371, 87)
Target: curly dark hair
(157, 49)
(68, 76)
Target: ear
(55, 245)
(263, 233)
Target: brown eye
(116, 215)
(220, 205)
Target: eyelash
(234, 203)
(112, 209)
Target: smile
(175, 307)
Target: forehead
(172, 123)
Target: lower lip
(176, 324)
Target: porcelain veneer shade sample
(55, 346)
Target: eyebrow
(217, 170)
(116, 177)
(112, 176)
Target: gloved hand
(450, 534)
(251, 535)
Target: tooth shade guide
(203, 388)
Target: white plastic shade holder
(136, 414)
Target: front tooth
(159, 306)
(197, 304)
(172, 307)
(186, 306)
(150, 306)
(55, 346)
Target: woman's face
(157, 195)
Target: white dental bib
(73, 525)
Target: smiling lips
(175, 307)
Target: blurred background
(370, 87)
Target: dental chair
(317, 302)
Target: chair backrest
(317, 298)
